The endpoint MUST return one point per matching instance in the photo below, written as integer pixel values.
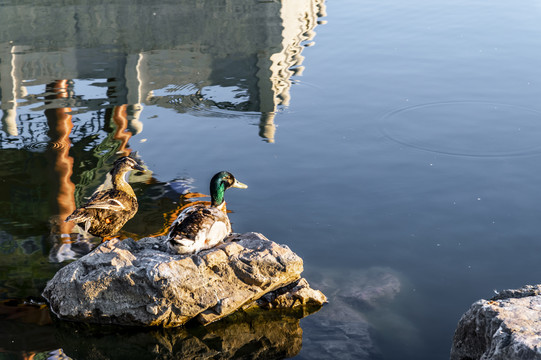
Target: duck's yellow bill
(238, 184)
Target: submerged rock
(141, 283)
(338, 332)
(343, 329)
(370, 289)
(363, 289)
(508, 326)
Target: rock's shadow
(256, 334)
(252, 334)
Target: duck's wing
(184, 214)
(113, 200)
(108, 204)
(80, 214)
(192, 224)
(200, 229)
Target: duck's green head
(220, 183)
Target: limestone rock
(506, 327)
(142, 283)
(298, 293)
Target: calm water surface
(394, 145)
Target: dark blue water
(394, 146)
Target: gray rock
(506, 327)
(298, 293)
(141, 283)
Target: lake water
(395, 146)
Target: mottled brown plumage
(108, 210)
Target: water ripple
(466, 128)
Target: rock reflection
(256, 335)
(26, 330)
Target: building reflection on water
(189, 56)
(113, 59)
(74, 83)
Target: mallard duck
(201, 226)
(108, 210)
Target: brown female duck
(108, 210)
